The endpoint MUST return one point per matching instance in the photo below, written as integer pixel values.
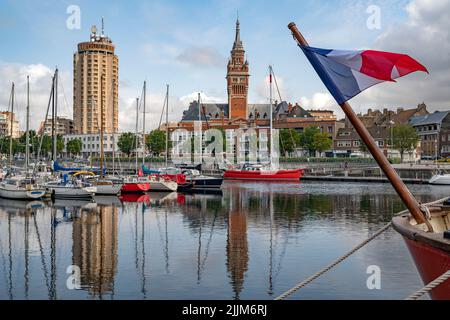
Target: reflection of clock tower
(237, 79)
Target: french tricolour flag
(347, 73)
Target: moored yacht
(73, 189)
(441, 178)
(20, 188)
(260, 172)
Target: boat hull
(166, 186)
(108, 189)
(440, 179)
(429, 250)
(135, 187)
(72, 193)
(22, 194)
(431, 263)
(277, 175)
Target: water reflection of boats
(134, 197)
(18, 204)
(107, 200)
(80, 203)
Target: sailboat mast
(102, 151)
(271, 113)
(27, 140)
(114, 134)
(55, 116)
(143, 124)
(136, 137)
(11, 126)
(167, 126)
(199, 109)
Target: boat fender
(447, 234)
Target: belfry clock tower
(237, 79)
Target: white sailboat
(441, 177)
(19, 187)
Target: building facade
(433, 130)
(379, 123)
(91, 143)
(64, 126)
(95, 60)
(5, 125)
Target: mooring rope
(433, 284)
(333, 264)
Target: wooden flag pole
(404, 193)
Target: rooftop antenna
(103, 27)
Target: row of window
(94, 138)
(356, 143)
(427, 128)
(96, 146)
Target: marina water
(254, 242)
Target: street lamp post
(392, 134)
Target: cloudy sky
(186, 44)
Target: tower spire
(237, 41)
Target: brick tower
(237, 79)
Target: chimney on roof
(369, 112)
(400, 110)
(289, 107)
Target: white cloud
(202, 57)
(40, 86)
(262, 90)
(425, 37)
(322, 101)
(186, 99)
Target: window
(380, 143)
(356, 143)
(330, 129)
(344, 144)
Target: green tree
(289, 139)
(156, 142)
(127, 143)
(322, 142)
(46, 145)
(405, 138)
(59, 144)
(74, 146)
(313, 140)
(4, 146)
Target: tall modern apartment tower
(92, 60)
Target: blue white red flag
(347, 73)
